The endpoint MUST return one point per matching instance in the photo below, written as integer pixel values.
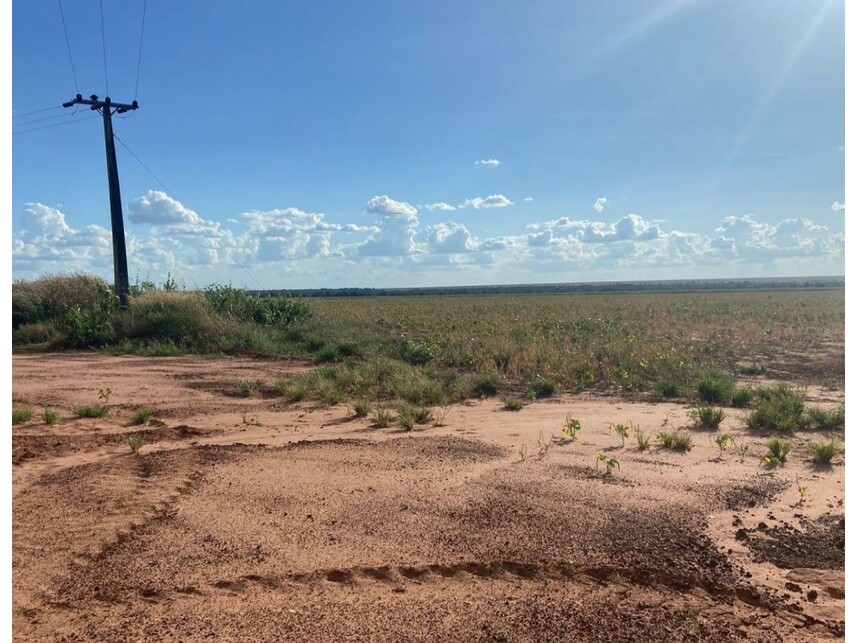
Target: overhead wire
(76, 120)
(68, 46)
(140, 51)
(104, 49)
(36, 111)
(44, 118)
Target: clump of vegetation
(714, 389)
(406, 419)
(249, 388)
(541, 387)
(423, 415)
(675, 440)
(486, 385)
(361, 408)
(722, 441)
(707, 417)
(609, 463)
(21, 414)
(824, 452)
(143, 415)
(742, 448)
(826, 419)
(623, 431)
(90, 411)
(382, 417)
(512, 404)
(778, 450)
(571, 427)
(49, 416)
(642, 439)
(668, 387)
(742, 397)
(135, 442)
(780, 408)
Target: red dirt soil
(255, 519)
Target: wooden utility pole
(120, 259)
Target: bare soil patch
(259, 520)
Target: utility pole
(120, 260)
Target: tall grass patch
(780, 408)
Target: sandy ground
(255, 519)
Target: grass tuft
(143, 416)
(824, 452)
(826, 419)
(675, 440)
(94, 411)
(21, 415)
(50, 416)
(780, 408)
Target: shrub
(263, 309)
(415, 353)
(35, 333)
(742, 397)
(82, 411)
(675, 440)
(777, 451)
(512, 404)
(173, 316)
(714, 389)
(708, 417)
(779, 409)
(668, 387)
(51, 297)
(21, 415)
(541, 387)
(486, 385)
(134, 441)
(826, 419)
(824, 452)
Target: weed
(642, 439)
(778, 450)
(423, 415)
(361, 408)
(249, 388)
(706, 416)
(714, 389)
(21, 415)
(826, 419)
(49, 416)
(780, 409)
(742, 448)
(486, 385)
(406, 419)
(742, 397)
(542, 387)
(571, 427)
(143, 416)
(443, 411)
(824, 452)
(543, 446)
(675, 440)
(134, 441)
(722, 441)
(609, 463)
(84, 411)
(512, 404)
(622, 431)
(382, 417)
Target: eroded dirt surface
(265, 521)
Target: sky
(429, 143)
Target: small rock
(398, 589)
(763, 526)
(741, 534)
(792, 587)
(736, 521)
(812, 595)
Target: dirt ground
(256, 519)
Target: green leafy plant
(609, 463)
(622, 431)
(512, 404)
(135, 442)
(824, 452)
(571, 427)
(722, 441)
(50, 416)
(803, 490)
(642, 439)
(143, 416)
(707, 417)
(21, 415)
(778, 450)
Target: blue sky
(307, 144)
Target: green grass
(824, 452)
(383, 417)
(826, 419)
(780, 408)
(21, 415)
(249, 388)
(675, 440)
(93, 411)
(361, 408)
(778, 450)
(142, 415)
(50, 416)
(708, 417)
(512, 404)
(714, 389)
(742, 397)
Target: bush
(779, 409)
(714, 389)
(708, 417)
(51, 297)
(36, 333)
(415, 353)
(824, 452)
(486, 385)
(169, 316)
(263, 309)
(541, 387)
(826, 419)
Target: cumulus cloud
(600, 204)
(488, 162)
(837, 206)
(629, 228)
(446, 207)
(158, 208)
(387, 207)
(451, 238)
(493, 201)
(528, 199)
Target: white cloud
(528, 199)
(629, 228)
(837, 206)
(158, 208)
(446, 207)
(387, 207)
(451, 238)
(493, 201)
(488, 162)
(600, 204)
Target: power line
(44, 118)
(140, 52)
(76, 120)
(104, 49)
(36, 111)
(68, 45)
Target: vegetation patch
(21, 414)
(780, 408)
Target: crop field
(598, 467)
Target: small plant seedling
(512, 404)
(143, 416)
(361, 408)
(440, 418)
(523, 452)
(642, 439)
(571, 428)
(134, 441)
(802, 490)
(742, 450)
(543, 446)
(722, 441)
(609, 463)
(104, 395)
(50, 416)
(622, 430)
(778, 449)
(21, 415)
